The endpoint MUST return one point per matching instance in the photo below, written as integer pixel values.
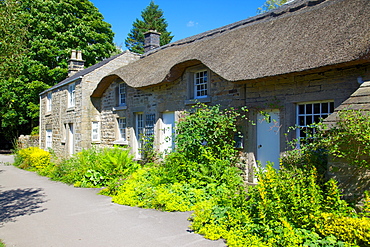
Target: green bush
(350, 138)
(32, 158)
(96, 167)
(283, 209)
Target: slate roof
(82, 73)
(298, 36)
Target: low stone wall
(352, 181)
(28, 141)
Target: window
(122, 94)
(48, 102)
(49, 139)
(121, 129)
(310, 113)
(200, 84)
(149, 125)
(71, 94)
(95, 131)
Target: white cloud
(191, 24)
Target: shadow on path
(20, 202)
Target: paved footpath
(37, 212)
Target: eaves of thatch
(299, 36)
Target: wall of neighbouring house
(81, 115)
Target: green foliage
(348, 229)
(36, 39)
(184, 179)
(32, 158)
(285, 208)
(152, 20)
(208, 130)
(269, 5)
(349, 139)
(95, 167)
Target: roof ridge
(289, 7)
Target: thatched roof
(298, 36)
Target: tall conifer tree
(152, 19)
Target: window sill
(119, 108)
(71, 108)
(95, 142)
(47, 113)
(195, 101)
(120, 142)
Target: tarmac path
(38, 212)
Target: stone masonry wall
(167, 97)
(79, 116)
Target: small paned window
(48, 102)
(49, 139)
(95, 131)
(310, 113)
(122, 128)
(200, 84)
(149, 125)
(122, 94)
(71, 95)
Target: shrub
(96, 167)
(350, 138)
(32, 158)
(281, 210)
(348, 229)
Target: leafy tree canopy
(152, 19)
(36, 39)
(270, 4)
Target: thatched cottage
(298, 62)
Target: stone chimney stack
(152, 40)
(75, 63)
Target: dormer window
(200, 84)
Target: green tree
(270, 4)
(152, 20)
(37, 37)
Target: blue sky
(184, 18)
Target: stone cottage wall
(81, 115)
(167, 97)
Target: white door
(139, 132)
(167, 143)
(268, 137)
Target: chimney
(152, 40)
(75, 63)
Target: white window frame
(201, 84)
(95, 131)
(71, 95)
(49, 101)
(48, 138)
(311, 112)
(122, 127)
(122, 94)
